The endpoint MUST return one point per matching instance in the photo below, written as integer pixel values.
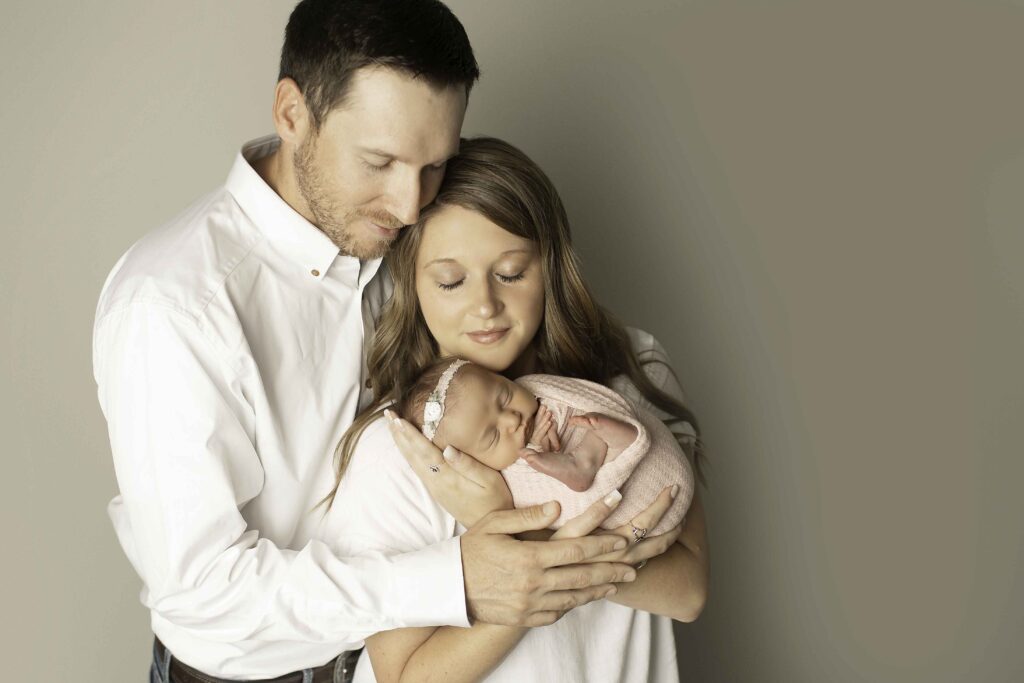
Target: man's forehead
(391, 113)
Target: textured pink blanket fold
(653, 461)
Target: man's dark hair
(327, 41)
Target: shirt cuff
(431, 586)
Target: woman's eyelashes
(507, 279)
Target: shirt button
(315, 272)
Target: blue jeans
(160, 669)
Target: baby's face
(492, 418)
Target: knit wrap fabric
(653, 461)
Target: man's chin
(369, 249)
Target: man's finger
(563, 601)
(576, 577)
(590, 518)
(577, 550)
(517, 521)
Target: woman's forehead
(458, 234)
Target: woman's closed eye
(506, 279)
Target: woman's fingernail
(675, 490)
(613, 498)
(619, 544)
(450, 454)
(550, 508)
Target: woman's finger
(649, 518)
(652, 546)
(590, 519)
(421, 454)
(472, 469)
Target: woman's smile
(488, 336)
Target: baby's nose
(511, 419)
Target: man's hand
(533, 583)
(460, 484)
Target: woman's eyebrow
(451, 260)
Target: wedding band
(435, 468)
(638, 533)
(641, 565)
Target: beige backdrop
(817, 206)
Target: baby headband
(433, 409)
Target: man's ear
(291, 117)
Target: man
(228, 352)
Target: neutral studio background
(817, 206)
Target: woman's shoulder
(655, 363)
(657, 366)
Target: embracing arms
(182, 439)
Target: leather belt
(344, 664)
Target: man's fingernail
(630, 575)
(450, 454)
(675, 490)
(620, 544)
(611, 591)
(613, 498)
(550, 508)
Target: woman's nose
(487, 304)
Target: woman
(488, 274)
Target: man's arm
(182, 440)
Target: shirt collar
(288, 232)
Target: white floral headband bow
(433, 409)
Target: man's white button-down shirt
(228, 354)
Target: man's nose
(406, 198)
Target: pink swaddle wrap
(653, 461)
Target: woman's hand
(641, 547)
(463, 486)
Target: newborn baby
(553, 438)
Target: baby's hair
(411, 405)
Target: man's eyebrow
(375, 151)
(388, 155)
(451, 260)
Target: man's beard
(332, 219)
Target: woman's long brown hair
(577, 337)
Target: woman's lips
(487, 336)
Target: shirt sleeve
(182, 436)
(382, 508)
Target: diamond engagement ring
(435, 468)
(638, 534)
